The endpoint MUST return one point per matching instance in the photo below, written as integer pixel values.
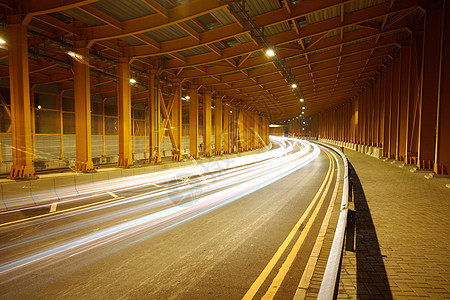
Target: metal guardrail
(329, 285)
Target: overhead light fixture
(270, 52)
(294, 85)
(187, 97)
(303, 107)
(301, 100)
(132, 80)
(2, 41)
(303, 112)
(39, 107)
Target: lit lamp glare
(187, 97)
(301, 100)
(293, 85)
(2, 41)
(132, 80)
(270, 52)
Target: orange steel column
(402, 120)
(430, 76)
(376, 109)
(371, 115)
(382, 107)
(218, 126)
(226, 129)
(82, 109)
(154, 117)
(394, 104)
(255, 130)
(207, 123)
(413, 103)
(20, 100)
(442, 156)
(177, 153)
(193, 120)
(387, 111)
(124, 109)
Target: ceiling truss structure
(330, 48)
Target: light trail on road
(203, 187)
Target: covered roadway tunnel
(154, 149)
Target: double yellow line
(277, 281)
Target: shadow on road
(372, 281)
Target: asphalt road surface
(223, 230)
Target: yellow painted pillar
(124, 108)
(103, 128)
(218, 126)
(193, 121)
(226, 129)
(207, 123)
(240, 130)
(82, 87)
(61, 125)
(20, 99)
(154, 117)
(177, 153)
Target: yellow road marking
(112, 194)
(59, 212)
(53, 207)
(278, 280)
(305, 281)
(269, 267)
(276, 283)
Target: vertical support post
(61, 125)
(442, 156)
(402, 122)
(394, 106)
(154, 117)
(387, 111)
(207, 123)
(103, 128)
(124, 107)
(193, 121)
(218, 126)
(177, 153)
(430, 77)
(20, 99)
(82, 89)
(226, 129)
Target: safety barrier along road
(330, 278)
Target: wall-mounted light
(294, 85)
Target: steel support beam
(402, 121)
(430, 77)
(193, 121)
(442, 156)
(124, 109)
(177, 151)
(218, 126)
(20, 100)
(207, 123)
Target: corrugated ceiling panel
(132, 41)
(361, 4)
(223, 16)
(243, 38)
(195, 51)
(258, 7)
(278, 28)
(167, 33)
(123, 10)
(83, 17)
(325, 14)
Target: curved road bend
(223, 230)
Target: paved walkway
(402, 235)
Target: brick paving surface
(402, 233)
